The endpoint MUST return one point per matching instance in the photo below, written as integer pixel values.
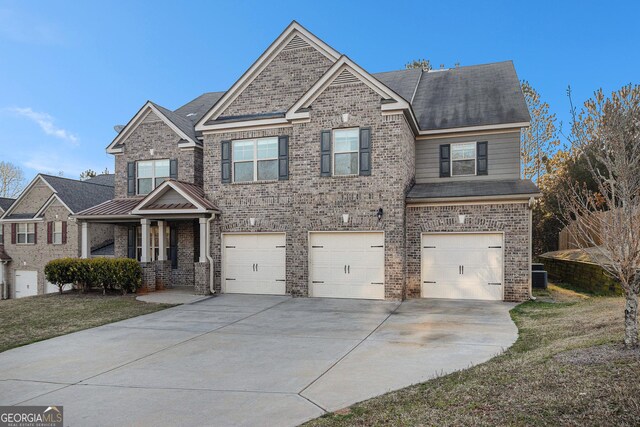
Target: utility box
(537, 267)
(539, 279)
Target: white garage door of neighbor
(254, 263)
(26, 283)
(50, 288)
(462, 266)
(346, 265)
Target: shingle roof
(5, 202)
(402, 82)
(104, 249)
(195, 109)
(3, 254)
(452, 189)
(79, 195)
(114, 207)
(103, 179)
(181, 123)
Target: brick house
(312, 177)
(37, 228)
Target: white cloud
(46, 123)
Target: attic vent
(191, 114)
(296, 43)
(345, 77)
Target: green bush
(123, 274)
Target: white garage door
(462, 266)
(254, 263)
(50, 288)
(346, 265)
(26, 283)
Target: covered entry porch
(166, 231)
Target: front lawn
(27, 320)
(566, 368)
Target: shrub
(105, 273)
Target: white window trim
(153, 237)
(25, 233)
(475, 158)
(255, 160)
(334, 152)
(53, 233)
(153, 176)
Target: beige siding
(503, 149)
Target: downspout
(532, 202)
(208, 254)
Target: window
(57, 233)
(154, 243)
(1, 234)
(255, 160)
(463, 159)
(152, 173)
(26, 233)
(345, 151)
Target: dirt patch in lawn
(541, 380)
(27, 320)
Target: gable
(32, 199)
(293, 62)
(171, 199)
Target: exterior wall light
(345, 218)
(379, 214)
(461, 218)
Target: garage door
(462, 266)
(346, 265)
(50, 288)
(254, 263)
(26, 283)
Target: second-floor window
(57, 233)
(255, 160)
(150, 174)
(346, 151)
(1, 234)
(26, 233)
(463, 159)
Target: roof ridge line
(77, 180)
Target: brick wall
(34, 200)
(512, 219)
(308, 202)
(154, 133)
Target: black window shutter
(445, 160)
(131, 243)
(131, 178)
(49, 232)
(225, 161)
(483, 158)
(365, 151)
(325, 153)
(64, 232)
(173, 168)
(283, 157)
(173, 247)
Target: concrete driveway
(251, 360)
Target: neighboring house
(38, 228)
(5, 203)
(311, 176)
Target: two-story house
(312, 177)
(37, 228)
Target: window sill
(266, 181)
(356, 175)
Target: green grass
(27, 320)
(528, 384)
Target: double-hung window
(26, 233)
(346, 151)
(151, 173)
(463, 159)
(154, 243)
(255, 160)
(57, 233)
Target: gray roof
(5, 202)
(103, 179)
(194, 110)
(402, 82)
(181, 123)
(21, 216)
(470, 96)
(79, 195)
(452, 189)
(104, 249)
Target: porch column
(145, 240)
(203, 240)
(162, 251)
(84, 245)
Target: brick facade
(513, 219)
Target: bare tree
(425, 64)
(88, 174)
(606, 134)
(11, 180)
(537, 141)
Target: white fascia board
(48, 203)
(476, 128)
(230, 126)
(261, 63)
(16, 220)
(26, 191)
(139, 118)
(169, 212)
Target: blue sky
(70, 70)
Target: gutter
(485, 199)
